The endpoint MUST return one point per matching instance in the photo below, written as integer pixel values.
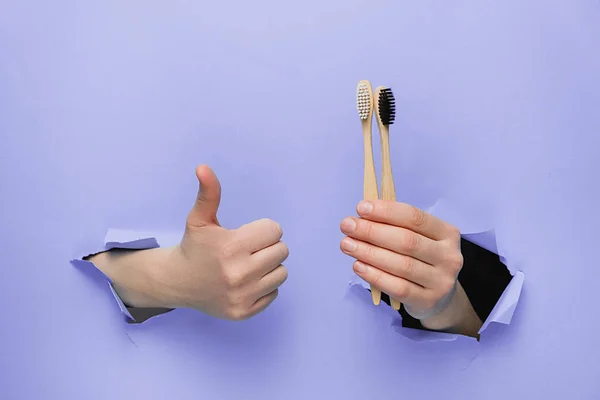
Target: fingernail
(360, 268)
(365, 207)
(348, 244)
(348, 225)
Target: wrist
(136, 275)
(436, 310)
(457, 317)
(444, 318)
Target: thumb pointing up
(205, 208)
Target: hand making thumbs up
(230, 274)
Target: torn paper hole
(128, 240)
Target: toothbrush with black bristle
(364, 105)
(386, 114)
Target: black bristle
(387, 106)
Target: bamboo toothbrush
(364, 104)
(386, 113)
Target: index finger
(405, 216)
(258, 235)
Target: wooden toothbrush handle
(371, 191)
(388, 191)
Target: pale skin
(235, 274)
(413, 257)
(229, 274)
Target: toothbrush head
(386, 106)
(364, 101)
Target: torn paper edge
(465, 216)
(504, 309)
(502, 312)
(128, 240)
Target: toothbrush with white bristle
(386, 113)
(364, 104)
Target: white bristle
(363, 101)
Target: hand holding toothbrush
(410, 255)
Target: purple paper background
(107, 107)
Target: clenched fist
(229, 274)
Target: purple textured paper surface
(107, 107)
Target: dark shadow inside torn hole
(484, 277)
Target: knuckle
(191, 226)
(233, 279)
(408, 266)
(455, 262)
(365, 252)
(285, 252)
(454, 233)
(275, 228)
(284, 275)
(367, 228)
(400, 292)
(418, 218)
(385, 209)
(458, 262)
(410, 242)
(376, 278)
(237, 314)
